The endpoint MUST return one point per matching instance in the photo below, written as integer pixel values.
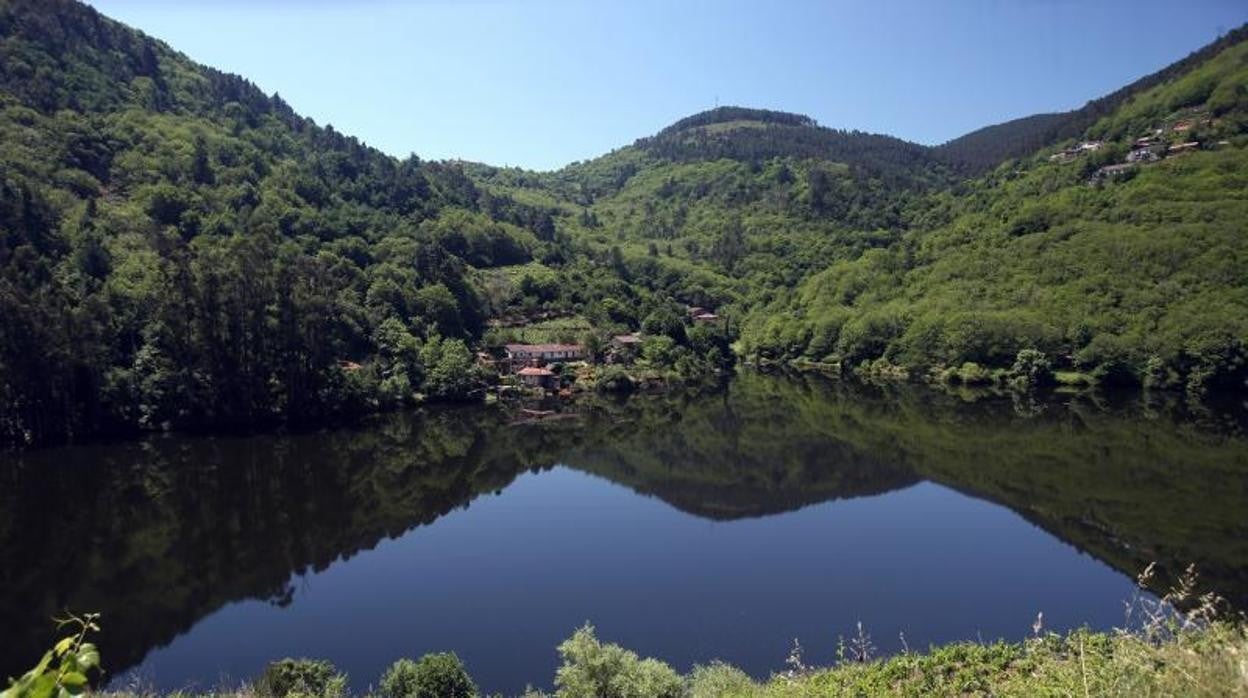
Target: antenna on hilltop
(717, 101)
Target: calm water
(690, 528)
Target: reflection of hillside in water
(158, 534)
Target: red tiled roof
(531, 371)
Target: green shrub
(613, 379)
(719, 679)
(439, 675)
(969, 373)
(62, 672)
(301, 677)
(593, 670)
(1031, 368)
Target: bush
(613, 379)
(1031, 367)
(433, 676)
(969, 373)
(62, 673)
(594, 670)
(301, 677)
(719, 679)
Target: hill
(1129, 274)
(722, 208)
(1123, 258)
(179, 250)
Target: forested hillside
(1114, 254)
(1123, 258)
(179, 250)
(723, 207)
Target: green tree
(591, 669)
(451, 374)
(433, 676)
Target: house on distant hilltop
(1113, 172)
(1076, 150)
(700, 315)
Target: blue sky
(541, 83)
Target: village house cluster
(1076, 150)
(535, 365)
(531, 363)
(1161, 142)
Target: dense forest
(179, 250)
(1134, 272)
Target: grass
(553, 330)
(1208, 662)
(1073, 378)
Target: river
(721, 524)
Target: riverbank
(1210, 662)
(1167, 661)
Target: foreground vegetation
(1170, 652)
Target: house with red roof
(535, 377)
(520, 355)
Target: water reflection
(160, 534)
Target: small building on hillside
(700, 315)
(624, 348)
(1113, 171)
(1141, 155)
(535, 377)
(532, 354)
(1182, 148)
(626, 341)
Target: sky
(541, 83)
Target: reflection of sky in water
(504, 581)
